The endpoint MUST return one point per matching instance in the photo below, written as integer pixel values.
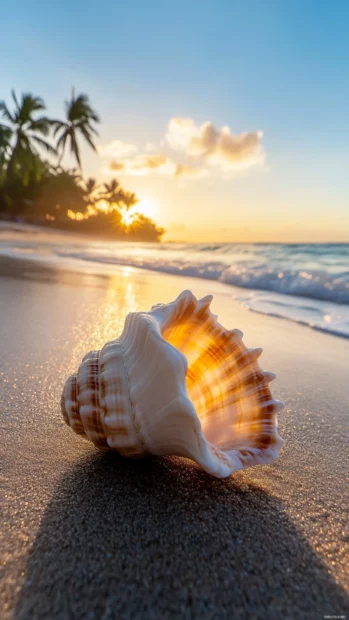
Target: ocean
(306, 283)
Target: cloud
(180, 132)
(116, 166)
(149, 162)
(117, 149)
(215, 146)
(184, 170)
(203, 146)
(154, 163)
(144, 164)
(127, 160)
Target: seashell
(176, 382)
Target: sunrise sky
(229, 119)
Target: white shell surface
(177, 382)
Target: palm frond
(14, 97)
(91, 185)
(5, 145)
(44, 144)
(42, 125)
(5, 130)
(87, 137)
(74, 148)
(79, 109)
(6, 112)
(29, 105)
(57, 126)
(62, 140)
(86, 125)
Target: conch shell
(176, 382)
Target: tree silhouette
(80, 117)
(24, 133)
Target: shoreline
(251, 299)
(25, 227)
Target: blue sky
(281, 68)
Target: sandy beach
(88, 535)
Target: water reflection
(103, 320)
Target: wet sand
(86, 535)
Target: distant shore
(26, 228)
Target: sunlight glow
(103, 206)
(128, 216)
(75, 216)
(145, 207)
(91, 211)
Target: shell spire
(177, 382)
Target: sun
(128, 216)
(144, 207)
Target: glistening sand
(86, 535)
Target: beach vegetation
(36, 188)
(80, 121)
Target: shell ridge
(87, 398)
(134, 416)
(115, 399)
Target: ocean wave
(306, 284)
(310, 283)
(326, 317)
(314, 284)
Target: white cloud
(185, 170)
(180, 132)
(144, 164)
(149, 162)
(216, 147)
(203, 146)
(155, 163)
(117, 149)
(117, 166)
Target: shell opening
(227, 388)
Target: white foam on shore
(307, 284)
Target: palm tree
(5, 144)
(90, 187)
(80, 116)
(115, 195)
(129, 199)
(111, 192)
(120, 201)
(26, 130)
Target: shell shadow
(157, 539)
